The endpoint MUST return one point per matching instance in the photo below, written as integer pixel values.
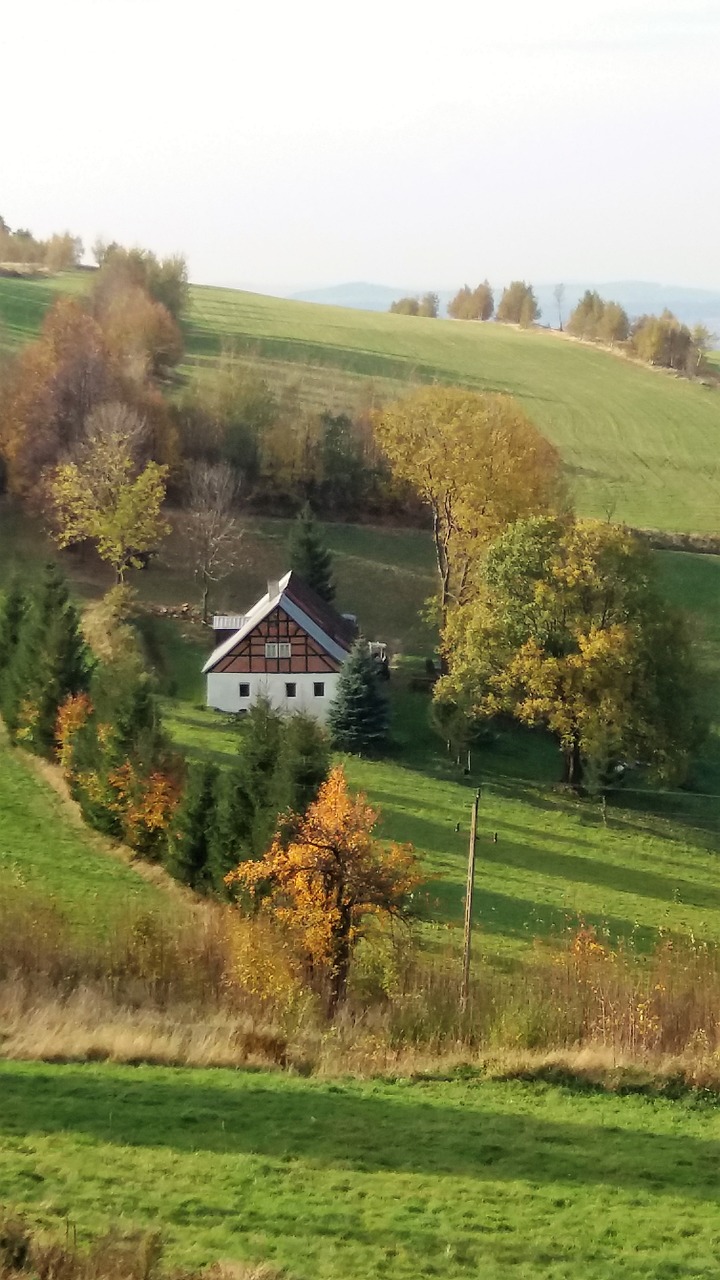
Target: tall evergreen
(230, 837)
(303, 764)
(188, 851)
(309, 556)
(11, 617)
(259, 752)
(358, 718)
(50, 661)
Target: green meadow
(348, 1180)
(638, 443)
(47, 855)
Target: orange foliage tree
(329, 878)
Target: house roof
(328, 627)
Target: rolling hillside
(639, 444)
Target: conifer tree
(358, 716)
(230, 836)
(303, 764)
(259, 755)
(50, 661)
(11, 616)
(309, 556)
(188, 852)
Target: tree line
(518, 304)
(60, 252)
(659, 340)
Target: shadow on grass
(326, 1125)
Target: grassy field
(50, 856)
(637, 442)
(349, 1180)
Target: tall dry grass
(209, 988)
(28, 1255)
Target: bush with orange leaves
(329, 878)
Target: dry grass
(27, 1255)
(178, 992)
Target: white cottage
(290, 647)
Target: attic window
(273, 650)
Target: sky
(290, 143)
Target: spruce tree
(230, 837)
(309, 556)
(358, 716)
(50, 661)
(262, 733)
(11, 617)
(188, 851)
(303, 764)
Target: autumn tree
(117, 759)
(106, 496)
(518, 305)
(408, 306)
(212, 530)
(567, 631)
(309, 555)
(478, 463)
(472, 304)
(358, 717)
(48, 391)
(325, 883)
(165, 280)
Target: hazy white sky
(289, 142)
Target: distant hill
(358, 296)
(692, 306)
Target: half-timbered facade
(290, 648)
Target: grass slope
(637, 442)
(348, 1180)
(46, 853)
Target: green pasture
(639, 444)
(46, 854)
(348, 1180)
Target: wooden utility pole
(469, 889)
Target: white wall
(223, 691)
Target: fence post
(469, 890)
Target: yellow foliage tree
(104, 497)
(329, 878)
(566, 631)
(478, 462)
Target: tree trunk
(573, 766)
(341, 962)
(205, 594)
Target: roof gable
(328, 628)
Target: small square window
(244, 690)
(319, 688)
(284, 651)
(290, 690)
(271, 651)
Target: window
(319, 688)
(290, 690)
(273, 650)
(244, 690)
